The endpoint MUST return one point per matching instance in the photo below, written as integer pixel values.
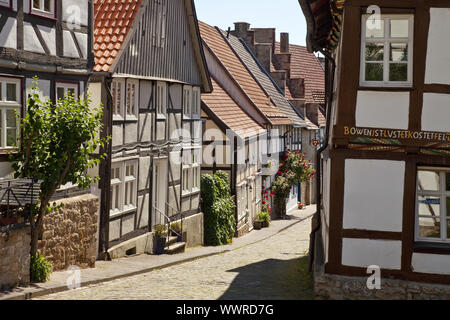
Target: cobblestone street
(275, 268)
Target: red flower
(264, 202)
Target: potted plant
(176, 231)
(263, 220)
(301, 206)
(159, 239)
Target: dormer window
(43, 7)
(387, 49)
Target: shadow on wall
(272, 280)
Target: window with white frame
(123, 190)
(132, 99)
(196, 101)
(186, 176)
(161, 99)
(44, 7)
(10, 107)
(65, 89)
(117, 88)
(187, 101)
(5, 3)
(387, 50)
(433, 205)
(196, 168)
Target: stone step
(171, 240)
(178, 247)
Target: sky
(284, 15)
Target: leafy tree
(59, 139)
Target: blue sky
(284, 15)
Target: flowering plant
(294, 169)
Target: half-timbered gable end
(150, 72)
(50, 40)
(386, 179)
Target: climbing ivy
(218, 208)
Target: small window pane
(374, 72)
(1, 92)
(375, 29)
(398, 72)
(11, 92)
(447, 181)
(429, 206)
(71, 92)
(11, 137)
(398, 52)
(36, 4)
(428, 180)
(399, 28)
(374, 52)
(429, 228)
(47, 5)
(59, 93)
(448, 229)
(11, 119)
(448, 207)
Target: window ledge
(431, 247)
(385, 88)
(121, 213)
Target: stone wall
(15, 257)
(70, 234)
(327, 286)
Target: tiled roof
(113, 19)
(230, 113)
(264, 80)
(239, 72)
(306, 65)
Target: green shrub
(160, 230)
(176, 227)
(264, 216)
(218, 208)
(40, 269)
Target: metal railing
(167, 220)
(16, 197)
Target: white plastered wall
(363, 253)
(378, 109)
(438, 58)
(8, 35)
(431, 263)
(436, 112)
(373, 195)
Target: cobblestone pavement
(273, 269)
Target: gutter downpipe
(317, 216)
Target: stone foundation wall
(70, 234)
(15, 257)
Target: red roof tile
(113, 19)
(239, 72)
(306, 65)
(230, 113)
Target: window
(161, 99)
(196, 102)
(433, 205)
(132, 99)
(191, 102)
(66, 88)
(10, 107)
(123, 190)
(387, 48)
(117, 86)
(187, 101)
(191, 170)
(44, 7)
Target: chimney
(284, 42)
(241, 29)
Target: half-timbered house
(52, 41)
(241, 77)
(149, 72)
(385, 195)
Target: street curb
(44, 292)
